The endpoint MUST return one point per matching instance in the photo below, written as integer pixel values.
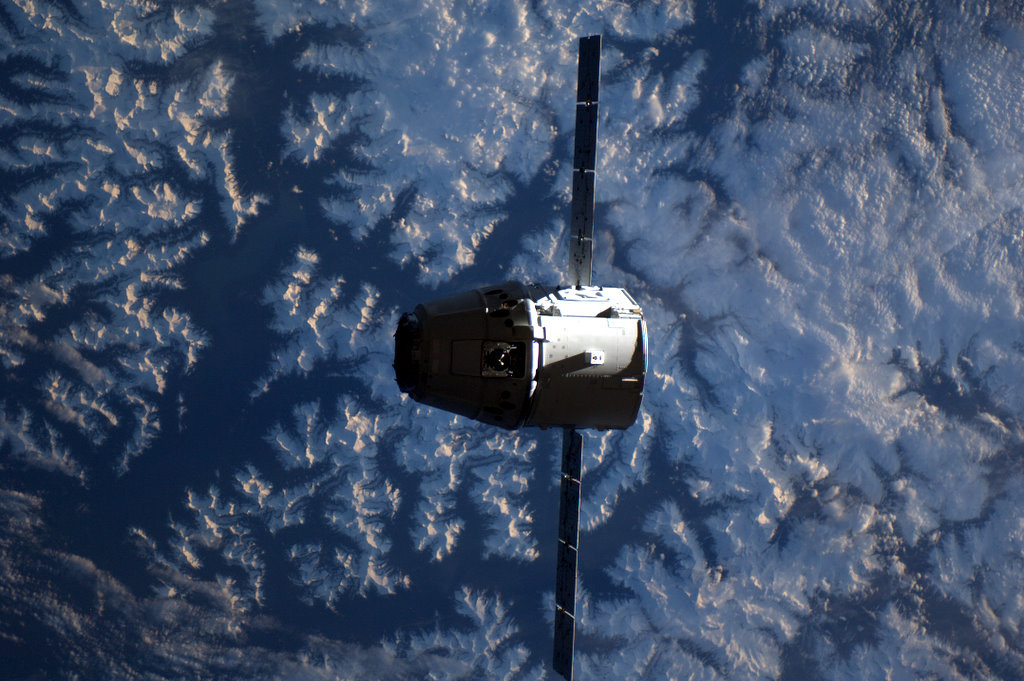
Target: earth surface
(213, 213)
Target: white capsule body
(515, 355)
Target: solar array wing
(584, 163)
(581, 252)
(568, 538)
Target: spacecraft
(512, 355)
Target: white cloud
(488, 649)
(459, 125)
(840, 401)
(327, 320)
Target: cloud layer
(818, 206)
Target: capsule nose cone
(407, 352)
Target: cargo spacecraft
(572, 356)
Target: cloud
(824, 474)
(489, 127)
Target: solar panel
(584, 155)
(581, 245)
(588, 79)
(581, 254)
(588, 72)
(564, 631)
(568, 538)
